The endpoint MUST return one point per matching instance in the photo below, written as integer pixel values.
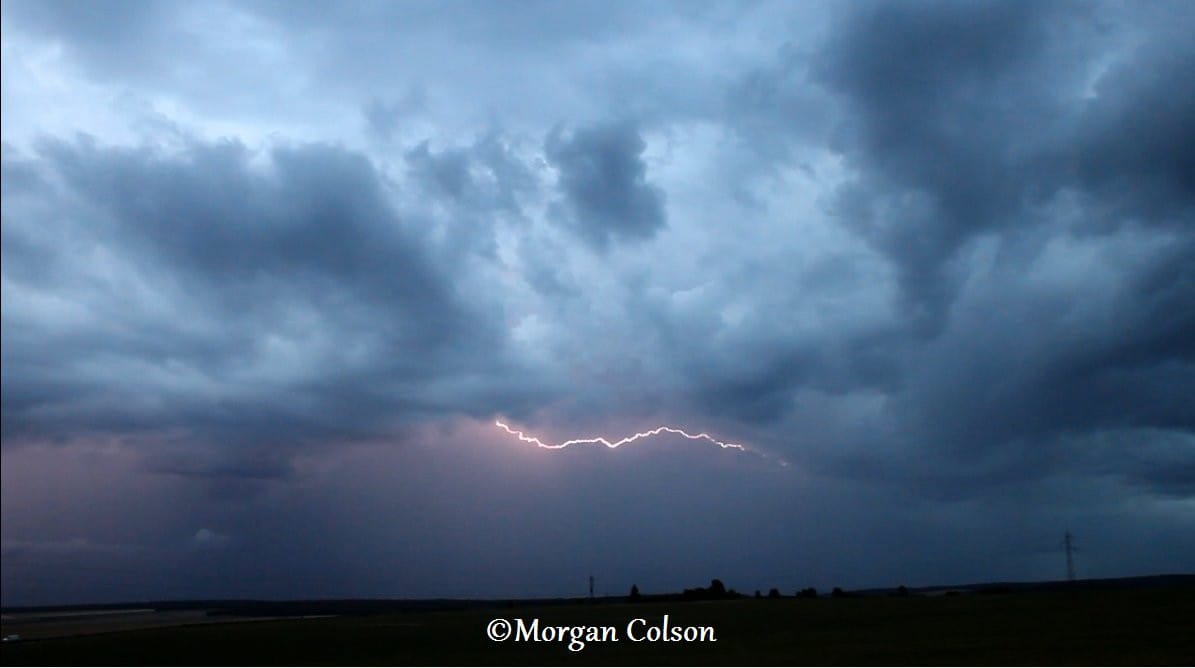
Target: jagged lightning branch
(614, 444)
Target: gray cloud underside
(278, 294)
(941, 248)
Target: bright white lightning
(623, 441)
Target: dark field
(1131, 626)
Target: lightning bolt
(619, 443)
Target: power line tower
(1068, 543)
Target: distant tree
(716, 591)
(634, 592)
(902, 591)
(757, 594)
(774, 593)
(808, 592)
(838, 592)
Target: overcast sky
(272, 269)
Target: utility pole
(1069, 543)
(590, 586)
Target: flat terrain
(1127, 626)
(40, 626)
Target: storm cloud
(602, 177)
(270, 274)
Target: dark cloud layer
(972, 123)
(938, 257)
(953, 115)
(294, 304)
(603, 178)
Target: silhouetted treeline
(716, 591)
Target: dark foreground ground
(1092, 627)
